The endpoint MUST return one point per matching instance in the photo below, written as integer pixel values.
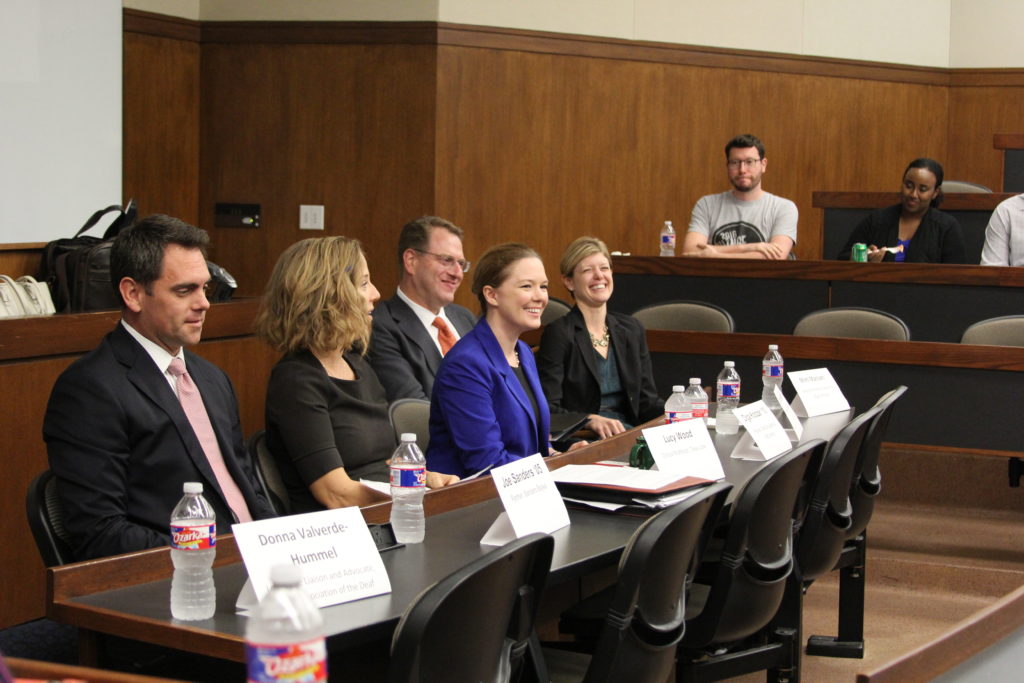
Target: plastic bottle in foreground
(193, 547)
(408, 483)
(667, 240)
(728, 399)
(771, 376)
(697, 399)
(284, 639)
(676, 409)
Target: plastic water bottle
(676, 409)
(408, 483)
(284, 639)
(771, 376)
(193, 547)
(667, 240)
(697, 399)
(728, 399)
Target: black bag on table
(77, 269)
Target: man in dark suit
(119, 441)
(408, 342)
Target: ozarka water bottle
(728, 399)
(193, 547)
(284, 639)
(676, 409)
(697, 399)
(771, 377)
(408, 483)
(667, 240)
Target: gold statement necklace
(603, 341)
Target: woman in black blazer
(591, 360)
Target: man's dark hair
(138, 251)
(744, 141)
(416, 234)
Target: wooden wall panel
(350, 127)
(975, 115)
(161, 125)
(544, 148)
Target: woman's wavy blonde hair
(313, 300)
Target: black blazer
(402, 352)
(568, 370)
(121, 447)
(938, 239)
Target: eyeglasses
(745, 163)
(446, 260)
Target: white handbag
(25, 296)
(10, 300)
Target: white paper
(530, 497)
(629, 477)
(764, 428)
(379, 486)
(817, 393)
(684, 449)
(500, 532)
(334, 548)
(795, 425)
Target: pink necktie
(192, 404)
(444, 335)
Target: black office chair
(411, 415)
(555, 309)
(632, 628)
(734, 623)
(46, 520)
(268, 474)
(693, 316)
(851, 563)
(476, 624)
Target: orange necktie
(444, 335)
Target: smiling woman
(488, 407)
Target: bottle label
(668, 241)
(700, 409)
(728, 390)
(773, 371)
(409, 477)
(201, 537)
(297, 663)
(677, 416)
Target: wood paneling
(960, 201)
(20, 259)
(976, 113)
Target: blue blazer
(479, 413)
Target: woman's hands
(438, 480)
(604, 426)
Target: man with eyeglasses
(745, 222)
(415, 328)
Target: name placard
(795, 425)
(817, 393)
(764, 428)
(339, 560)
(532, 502)
(684, 448)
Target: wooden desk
(128, 595)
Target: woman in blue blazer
(487, 407)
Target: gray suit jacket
(402, 352)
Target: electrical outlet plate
(311, 217)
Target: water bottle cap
(668, 224)
(730, 364)
(678, 388)
(695, 380)
(773, 347)
(286, 575)
(193, 487)
(408, 437)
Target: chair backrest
(851, 321)
(268, 474)
(1006, 330)
(646, 617)
(757, 555)
(46, 520)
(867, 479)
(556, 308)
(963, 186)
(467, 626)
(411, 415)
(826, 522)
(686, 316)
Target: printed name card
(766, 431)
(817, 393)
(532, 502)
(791, 417)
(339, 560)
(684, 448)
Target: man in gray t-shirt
(745, 222)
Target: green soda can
(859, 254)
